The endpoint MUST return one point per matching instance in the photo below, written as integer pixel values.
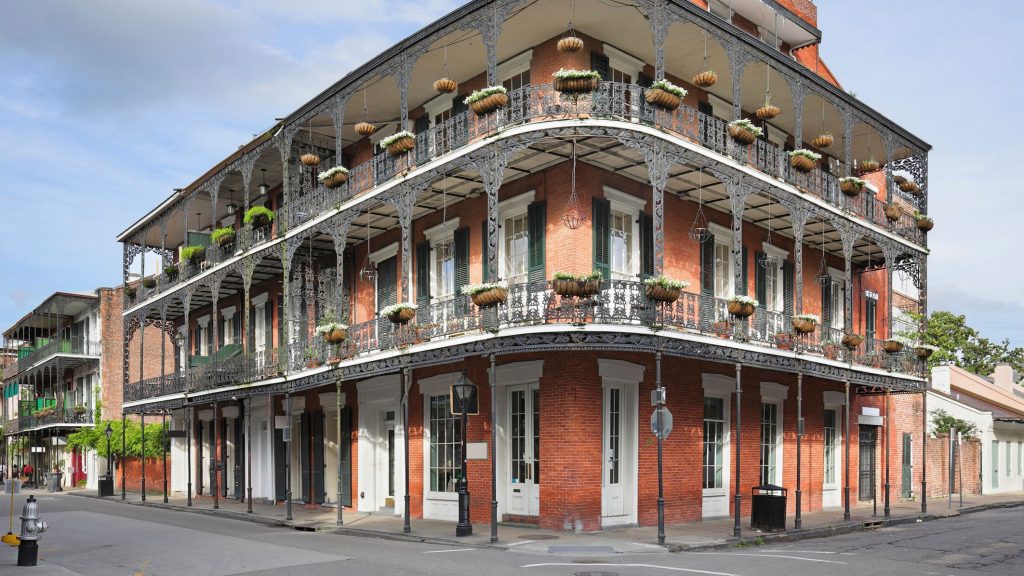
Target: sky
(107, 106)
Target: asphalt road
(94, 537)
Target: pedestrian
(27, 471)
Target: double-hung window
(442, 259)
(837, 299)
(624, 231)
(769, 442)
(831, 445)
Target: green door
(908, 466)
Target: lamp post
(108, 432)
(464, 393)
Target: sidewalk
(632, 540)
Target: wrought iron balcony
(71, 346)
(54, 416)
(154, 387)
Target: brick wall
(133, 480)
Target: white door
(524, 450)
(830, 496)
(259, 331)
(614, 447)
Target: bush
(222, 236)
(193, 253)
(258, 213)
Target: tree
(964, 346)
(944, 423)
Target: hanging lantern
(368, 272)
(573, 217)
(700, 232)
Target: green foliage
(221, 236)
(193, 253)
(943, 423)
(964, 346)
(258, 213)
(96, 439)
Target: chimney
(1003, 377)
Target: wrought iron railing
(54, 416)
(78, 346)
(154, 387)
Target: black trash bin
(768, 507)
(106, 486)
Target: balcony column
(142, 342)
(737, 498)
(849, 236)
(404, 202)
(163, 346)
(185, 205)
(737, 62)
(214, 191)
(492, 172)
(339, 234)
(142, 449)
(847, 115)
(798, 521)
(214, 459)
(163, 244)
(248, 268)
(337, 111)
(284, 147)
(888, 428)
(738, 193)
(846, 457)
(798, 89)
(659, 20)
(799, 217)
(248, 164)
(891, 252)
(186, 302)
(889, 142)
(189, 418)
(659, 157)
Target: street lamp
(464, 397)
(108, 432)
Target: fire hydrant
(31, 528)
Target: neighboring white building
(995, 405)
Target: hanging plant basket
(399, 143)
(925, 224)
(851, 341)
(485, 101)
(487, 295)
(171, 272)
(576, 81)
(899, 179)
(892, 346)
(334, 177)
(851, 186)
(767, 112)
(223, 236)
(336, 335)
(910, 186)
(869, 166)
(570, 45)
(309, 159)
(705, 79)
(149, 282)
(445, 85)
(803, 160)
(399, 313)
(572, 285)
(893, 212)
(804, 325)
(664, 289)
(365, 129)
(566, 287)
(744, 131)
(665, 95)
(741, 306)
(924, 352)
(823, 141)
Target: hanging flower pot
(805, 323)
(400, 313)
(869, 166)
(741, 306)
(705, 79)
(576, 81)
(803, 160)
(664, 289)
(365, 129)
(487, 100)
(445, 85)
(487, 294)
(851, 341)
(924, 223)
(258, 216)
(333, 177)
(332, 332)
(851, 186)
(767, 112)
(398, 143)
(744, 131)
(924, 351)
(309, 159)
(665, 95)
(893, 212)
(570, 44)
(565, 285)
(910, 186)
(823, 141)
(130, 291)
(193, 253)
(899, 179)
(170, 271)
(149, 282)
(892, 346)
(223, 236)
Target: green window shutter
(742, 288)
(420, 126)
(600, 64)
(536, 216)
(460, 126)
(646, 245)
(760, 278)
(602, 231)
(250, 330)
(423, 273)
(461, 237)
(870, 307)
(280, 321)
(268, 325)
(707, 266)
(485, 273)
(826, 305)
(787, 287)
(644, 81)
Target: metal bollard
(31, 528)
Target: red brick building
(597, 172)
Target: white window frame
(228, 314)
(632, 207)
(441, 234)
(203, 323)
(773, 251)
(838, 279)
(724, 236)
(722, 387)
(513, 207)
(834, 401)
(774, 393)
(439, 385)
(515, 65)
(624, 62)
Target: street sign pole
(660, 433)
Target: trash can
(768, 507)
(14, 483)
(53, 481)
(106, 486)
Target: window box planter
(334, 177)
(851, 186)
(445, 85)
(572, 285)
(664, 289)
(803, 160)
(851, 341)
(705, 79)
(575, 82)
(805, 323)
(892, 346)
(893, 212)
(487, 100)
(665, 95)
(741, 306)
(79, 410)
(487, 295)
(767, 112)
(399, 313)
(332, 332)
(399, 143)
(744, 131)
(823, 141)
(130, 291)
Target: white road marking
(645, 545)
(768, 556)
(521, 542)
(672, 568)
(804, 551)
(449, 550)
